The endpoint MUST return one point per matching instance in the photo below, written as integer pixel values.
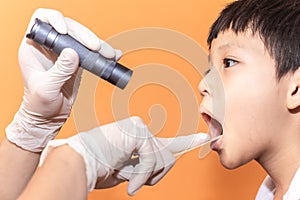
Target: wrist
(31, 132)
(96, 170)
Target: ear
(293, 96)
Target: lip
(215, 128)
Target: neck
(282, 161)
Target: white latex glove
(50, 82)
(107, 152)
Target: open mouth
(215, 127)
(215, 130)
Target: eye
(228, 62)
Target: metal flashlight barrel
(109, 70)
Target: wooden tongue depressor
(205, 149)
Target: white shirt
(267, 189)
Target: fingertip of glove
(118, 53)
(199, 138)
(107, 51)
(203, 136)
(83, 34)
(137, 181)
(132, 190)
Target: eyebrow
(225, 46)
(206, 72)
(229, 45)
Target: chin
(230, 161)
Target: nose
(203, 88)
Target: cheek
(249, 113)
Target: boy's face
(242, 93)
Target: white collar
(267, 189)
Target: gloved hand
(108, 153)
(50, 82)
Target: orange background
(190, 178)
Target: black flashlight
(109, 70)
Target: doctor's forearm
(16, 169)
(61, 176)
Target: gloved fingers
(53, 17)
(182, 144)
(109, 182)
(71, 87)
(156, 177)
(165, 161)
(66, 25)
(132, 169)
(90, 40)
(138, 178)
(76, 83)
(107, 51)
(127, 173)
(63, 69)
(83, 34)
(153, 165)
(144, 169)
(119, 54)
(165, 150)
(32, 56)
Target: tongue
(215, 128)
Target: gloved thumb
(182, 144)
(63, 69)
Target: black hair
(277, 22)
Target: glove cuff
(31, 133)
(93, 168)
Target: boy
(255, 53)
